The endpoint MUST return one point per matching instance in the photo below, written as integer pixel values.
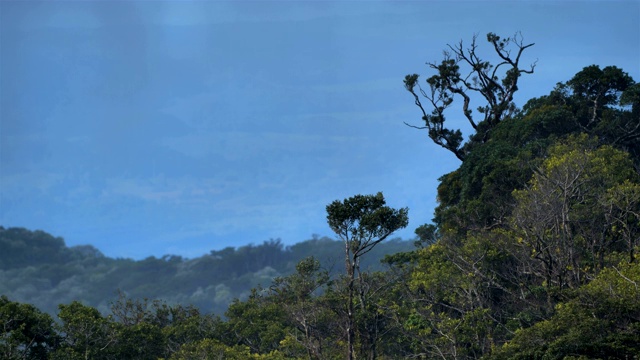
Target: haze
(152, 128)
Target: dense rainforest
(532, 253)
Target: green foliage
(564, 217)
(362, 222)
(483, 185)
(545, 204)
(27, 333)
(309, 315)
(211, 349)
(459, 297)
(600, 323)
(182, 325)
(427, 235)
(139, 341)
(595, 90)
(87, 334)
(22, 248)
(478, 194)
(209, 282)
(256, 323)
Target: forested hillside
(38, 268)
(532, 254)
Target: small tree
(306, 312)
(362, 222)
(87, 334)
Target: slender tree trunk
(350, 265)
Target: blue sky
(166, 127)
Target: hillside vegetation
(532, 254)
(38, 268)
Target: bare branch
(496, 84)
(416, 127)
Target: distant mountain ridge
(38, 268)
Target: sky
(179, 127)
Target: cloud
(212, 211)
(382, 84)
(198, 13)
(237, 146)
(77, 15)
(196, 110)
(18, 184)
(166, 190)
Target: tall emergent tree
(362, 222)
(496, 84)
